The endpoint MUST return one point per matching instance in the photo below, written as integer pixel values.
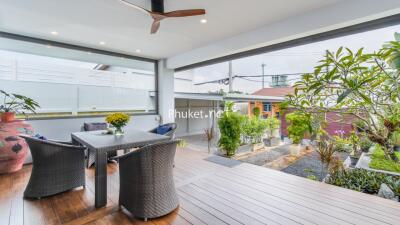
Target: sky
(301, 59)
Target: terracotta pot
(13, 149)
(8, 116)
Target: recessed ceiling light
(138, 51)
(203, 21)
(48, 46)
(89, 53)
(102, 43)
(55, 33)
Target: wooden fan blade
(185, 13)
(155, 26)
(134, 6)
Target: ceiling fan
(158, 14)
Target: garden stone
(386, 192)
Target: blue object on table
(163, 129)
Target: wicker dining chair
(147, 188)
(91, 156)
(170, 133)
(57, 167)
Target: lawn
(379, 162)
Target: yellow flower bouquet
(118, 120)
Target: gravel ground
(310, 165)
(267, 156)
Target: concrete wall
(191, 126)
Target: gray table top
(108, 142)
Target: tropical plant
(358, 84)
(299, 124)
(17, 103)
(325, 151)
(253, 129)
(360, 180)
(272, 123)
(209, 134)
(230, 125)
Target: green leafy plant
(256, 112)
(253, 129)
(362, 85)
(341, 144)
(360, 180)
(365, 144)
(272, 124)
(354, 139)
(299, 124)
(17, 103)
(395, 138)
(230, 125)
(379, 162)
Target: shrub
(230, 125)
(256, 112)
(272, 124)
(360, 180)
(254, 128)
(395, 138)
(365, 144)
(299, 123)
(379, 161)
(341, 144)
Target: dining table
(101, 142)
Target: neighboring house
(270, 108)
(336, 122)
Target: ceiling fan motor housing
(157, 6)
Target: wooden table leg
(100, 179)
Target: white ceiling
(87, 22)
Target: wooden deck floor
(210, 193)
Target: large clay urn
(7, 116)
(13, 149)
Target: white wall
(191, 126)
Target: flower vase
(118, 131)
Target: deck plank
(210, 193)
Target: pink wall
(334, 123)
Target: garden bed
(310, 166)
(379, 162)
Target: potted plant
(253, 130)
(230, 126)
(299, 123)
(15, 103)
(272, 125)
(355, 154)
(118, 120)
